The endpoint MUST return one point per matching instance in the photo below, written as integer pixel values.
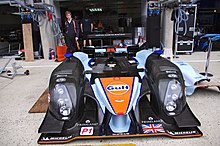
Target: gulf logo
(117, 88)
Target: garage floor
(19, 128)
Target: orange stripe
(117, 136)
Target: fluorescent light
(16, 13)
(95, 9)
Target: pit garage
(116, 73)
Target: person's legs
(68, 44)
(90, 42)
(77, 44)
(84, 38)
(88, 39)
(84, 43)
(73, 45)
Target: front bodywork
(117, 96)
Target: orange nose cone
(118, 91)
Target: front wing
(150, 125)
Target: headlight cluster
(173, 93)
(63, 101)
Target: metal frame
(11, 74)
(9, 46)
(2, 69)
(206, 73)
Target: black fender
(69, 73)
(159, 69)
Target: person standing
(77, 30)
(71, 33)
(86, 28)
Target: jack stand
(206, 74)
(14, 72)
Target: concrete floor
(19, 128)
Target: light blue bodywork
(121, 123)
(118, 123)
(190, 76)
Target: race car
(110, 92)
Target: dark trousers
(71, 44)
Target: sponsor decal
(87, 121)
(152, 128)
(151, 120)
(57, 138)
(118, 88)
(119, 101)
(120, 134)
(181, 132)
(86, 131)
(86, 124)
(118, 91)
(45, 138)
(170, 71)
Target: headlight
(171, 106)
(61, 103)
(60, 91)
(64, 110)
(171, 95)
(175, 97)
(174, 87)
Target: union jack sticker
(152, 128)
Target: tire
(27, 72)
(8, 73)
